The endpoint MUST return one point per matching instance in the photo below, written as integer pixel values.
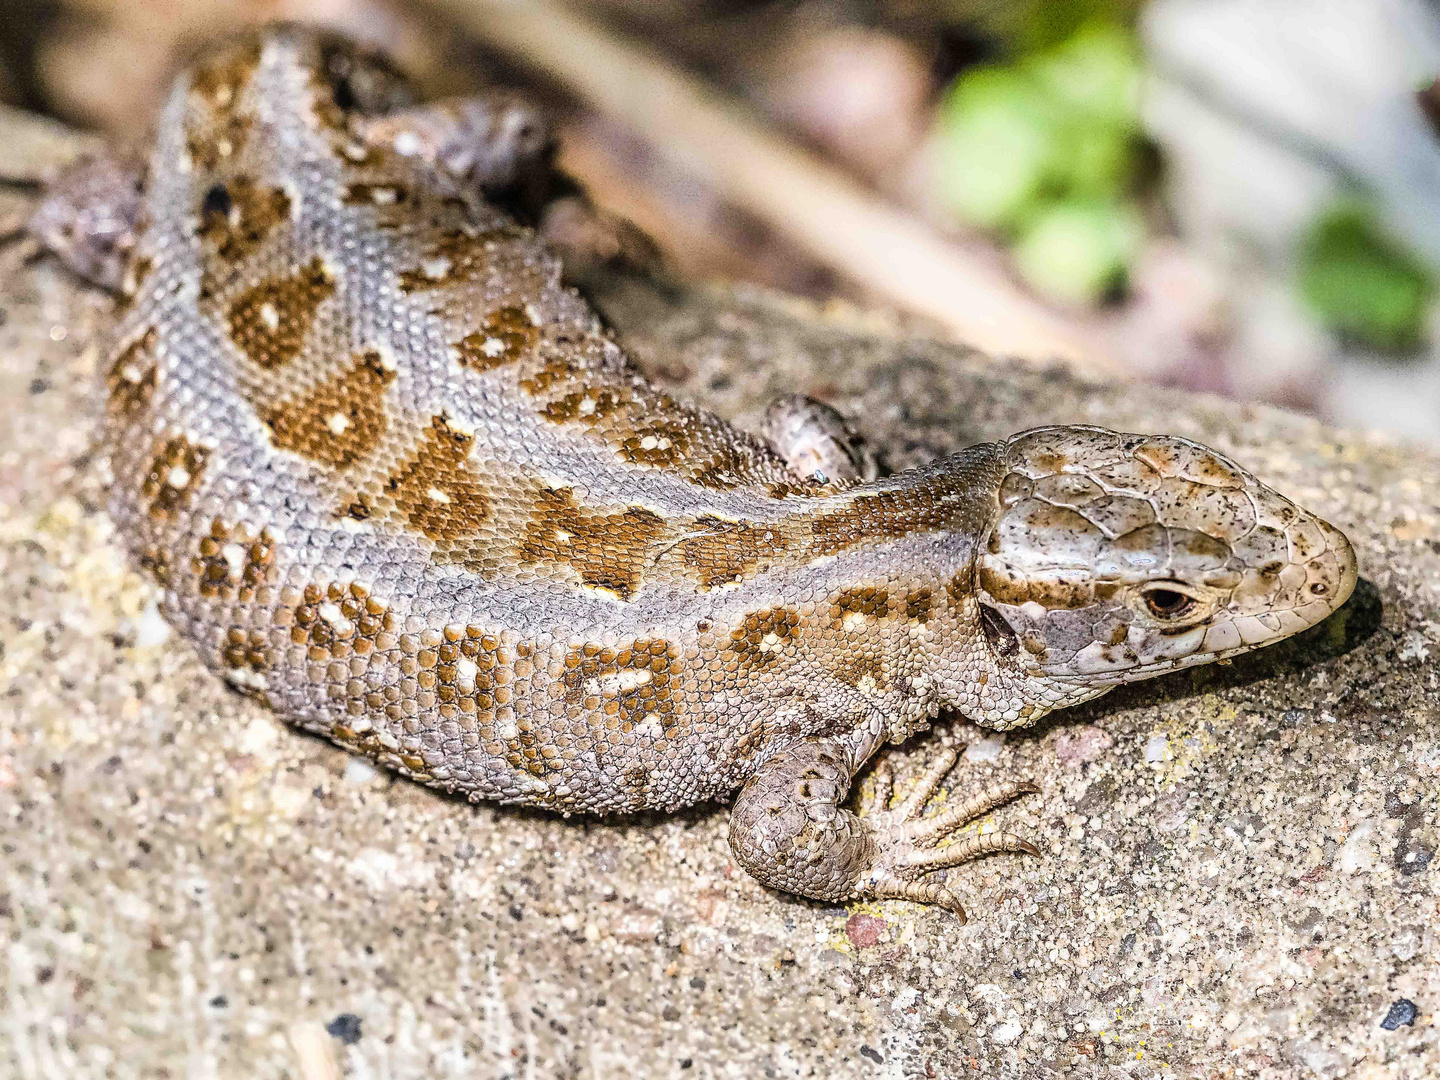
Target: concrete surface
(1240, 876)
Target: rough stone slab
(1240, 876)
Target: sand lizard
(395, 481)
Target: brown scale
(338, 422)
(155, 561)
(918, 604)
(269, 321)
(215, 571)
(929, 506)
(645, 676)
(220, 81)
(727, 551)
(237, 216)
(440, 495)
(247, 650)
(137, 270)
(607, 550)
(358, 626)
(131, 378)
(508, 326)
(173, 475)
(765, 636)
(456, 257)
(211, 144)
(866, 601)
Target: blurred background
(1236, 196)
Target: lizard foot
(906, 843)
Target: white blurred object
(1268, 111)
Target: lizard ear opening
(999, 635)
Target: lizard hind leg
(789, 830)
(816, 440)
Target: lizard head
(1115, 557)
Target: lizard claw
(906, 843)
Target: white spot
(508, 730)
(178, 477)
(650, 727)
(625, 680)
(337, 422)
(387, 358)
(350, 525)
(132, 374)
(435, 269)
(1157, 750)
(384, 196)
(434, 494)
(465, 672)
(356, 152)
(533, 314)
(769, 643)
(866, 685)
(269, 316)
(224, 147)
(852, 619)
(493, 347)
(331, 614)
(234, 556)
(460, 427)
(407, 144)
(587, 406)
(563, 537)
(1033, 611)
(246, 679)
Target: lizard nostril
(1319, 588)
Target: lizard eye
(1164, 602)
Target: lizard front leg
(791, 832)
(90, 218)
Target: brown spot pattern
(918, 603)
(607, 550)
(726, 551)
(268, 322)
(174, 473)
(209, 145)
(629, 687)
(505, 337)
(155, 561)
(888, 515)
(337, 621)
(232, 562)
(867, 601)
(234, 226)
(765, 636)
(131, 378)
(456, 256)
(245, 649)
(438, 492)
(221, 81)
(338, 422)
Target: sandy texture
(1240, 876)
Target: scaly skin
(396, 482)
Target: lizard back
(397, 482)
